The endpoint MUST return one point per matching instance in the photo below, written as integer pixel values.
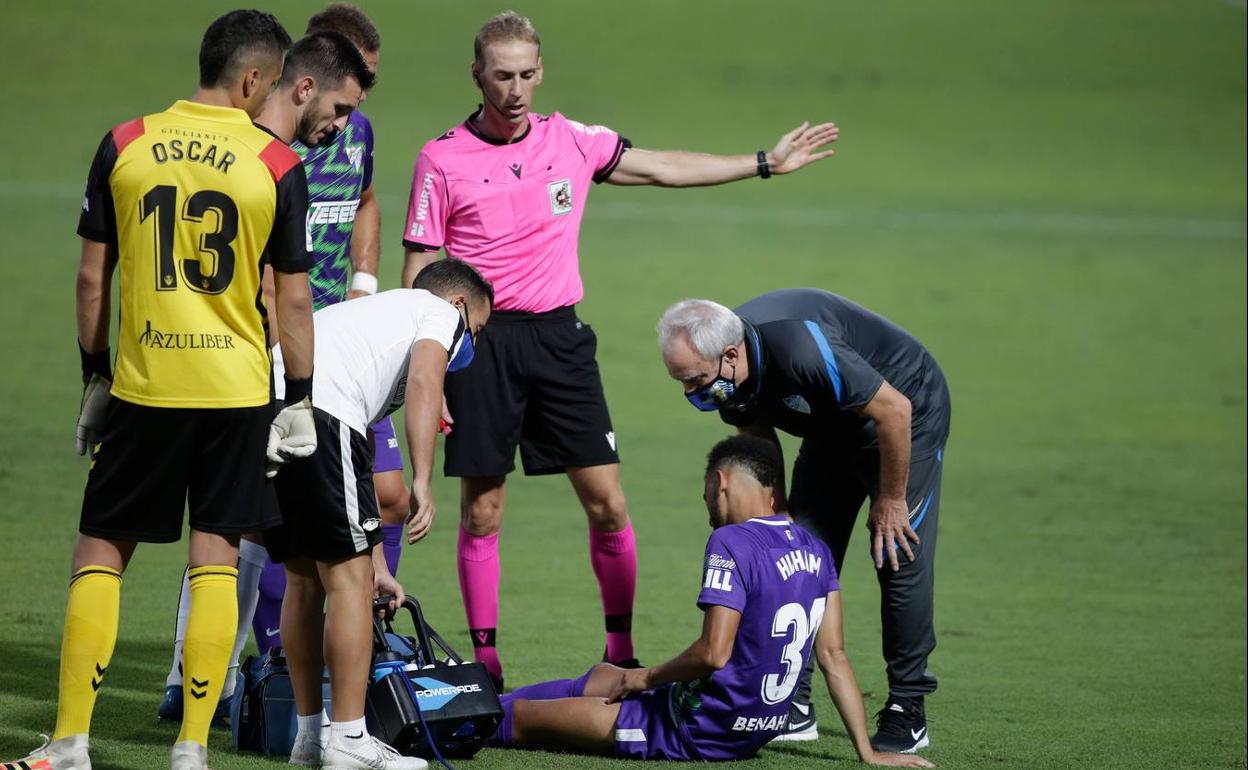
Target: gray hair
(709, 326)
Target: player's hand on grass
(421, 511)
(884, 759)
(889, 521)
(385, 584)
(631, 680)
(291, 435)
(800, 147)
(91, 412)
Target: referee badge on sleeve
(560, 196)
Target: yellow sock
(86, 646)
(210, 629)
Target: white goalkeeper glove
(91, 412)
(291, 435)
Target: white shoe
(367, 753)
(807, 732)
(189, 755)
(309, 747)
(68, 753)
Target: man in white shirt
(373, 354)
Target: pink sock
(477, 558)
(614, 557)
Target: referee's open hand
(801, 147)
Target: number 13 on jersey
(160, 204)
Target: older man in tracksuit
(872, 409)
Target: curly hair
(756, 456)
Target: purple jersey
(778, 576)
(338, 172)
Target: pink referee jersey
(512, 210)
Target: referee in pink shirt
(505, 191)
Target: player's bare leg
(570, 724)
(114, 554)
(481, 504)
(348, 647)
(612, 552)
(348, 631)
(208, 549)
(392, 497)
(303, 617)
(392, 494)
(601, 495)
(602, 679)
(303, 621)
(480, 518)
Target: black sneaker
(626, 663)
(170, 709)
(901, 726)
(801, 725)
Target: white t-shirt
(363, 348)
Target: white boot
(366, 753)
(68, 753)
(189, 755)
(309, 747)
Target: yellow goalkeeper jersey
(195, 199)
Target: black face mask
(714, 395)
(464, 353)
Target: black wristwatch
(764, 168)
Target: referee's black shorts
(327, 500)
(152, 463)
(534, 382)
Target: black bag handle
(426, 637)
(381, 612)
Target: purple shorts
(386, 456)
(647, 728)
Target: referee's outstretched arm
(675, 168)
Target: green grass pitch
(1050, 194)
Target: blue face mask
(719, 391)
(464, 354)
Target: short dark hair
(346, 19)
(232, 39)
(450, 275)
(328, 56)
(756, 456)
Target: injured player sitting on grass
(769, 595)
